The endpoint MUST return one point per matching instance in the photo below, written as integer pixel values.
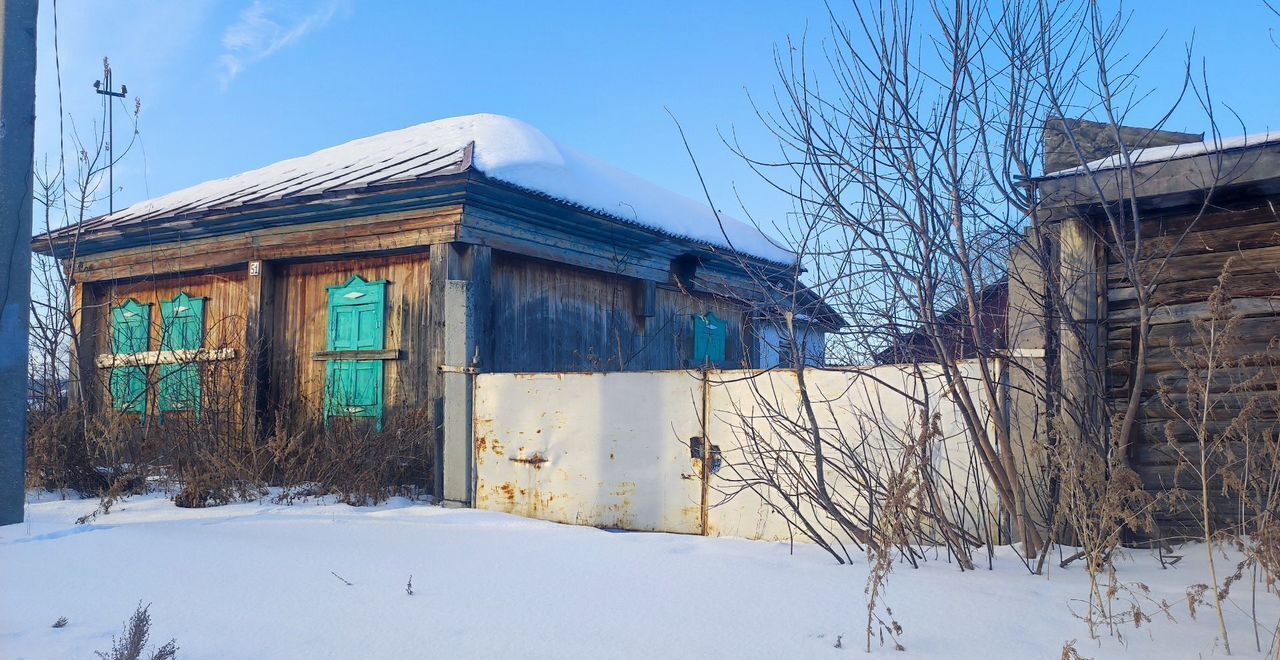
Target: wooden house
(954, 328)
(380, 274)
(1201, 203)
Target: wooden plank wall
(552, 317)
(1250, 234)
(549, 317)
(300, 325)
(403, 230)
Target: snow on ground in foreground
(254, 581)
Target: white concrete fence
(623, 450)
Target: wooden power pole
(17, 149)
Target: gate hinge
(450, 369)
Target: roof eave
(436, 191)
(1178, 180)
(772, 265)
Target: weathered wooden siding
(552, 317)
(401, 230)
(300, 326)
(543, 317)
(1251, 237)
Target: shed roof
(1168, 153)
(501, 148)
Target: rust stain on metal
(496, 448)
(508, 491)
(536, 460)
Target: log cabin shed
(1201, 203)
(378, 275)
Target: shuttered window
(357, 312)
(130, 334)
(181, 329)
(708, 340)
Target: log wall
(1249, 236)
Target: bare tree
(66, 197)
(910, 152)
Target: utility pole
(17, 149)
(111, 129)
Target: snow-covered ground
(257, 581)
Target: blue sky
(229, 85)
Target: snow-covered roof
(1170, 152)
(502, 148)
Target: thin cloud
(265, 27)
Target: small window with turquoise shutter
(708, 340)
(130, 335)
(181, 332)
(353, 387)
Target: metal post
(111, 95)
(111, 150)
(17, 148)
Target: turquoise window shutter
(130, 327)
(182, 323)
(356, 327)
(130, 334)
(182, 329)
(129, 389)
(342, 330)
(337, 381)
(354, 388)
(709, 338)
(368, 327)
(179, 388)
(357, 312)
